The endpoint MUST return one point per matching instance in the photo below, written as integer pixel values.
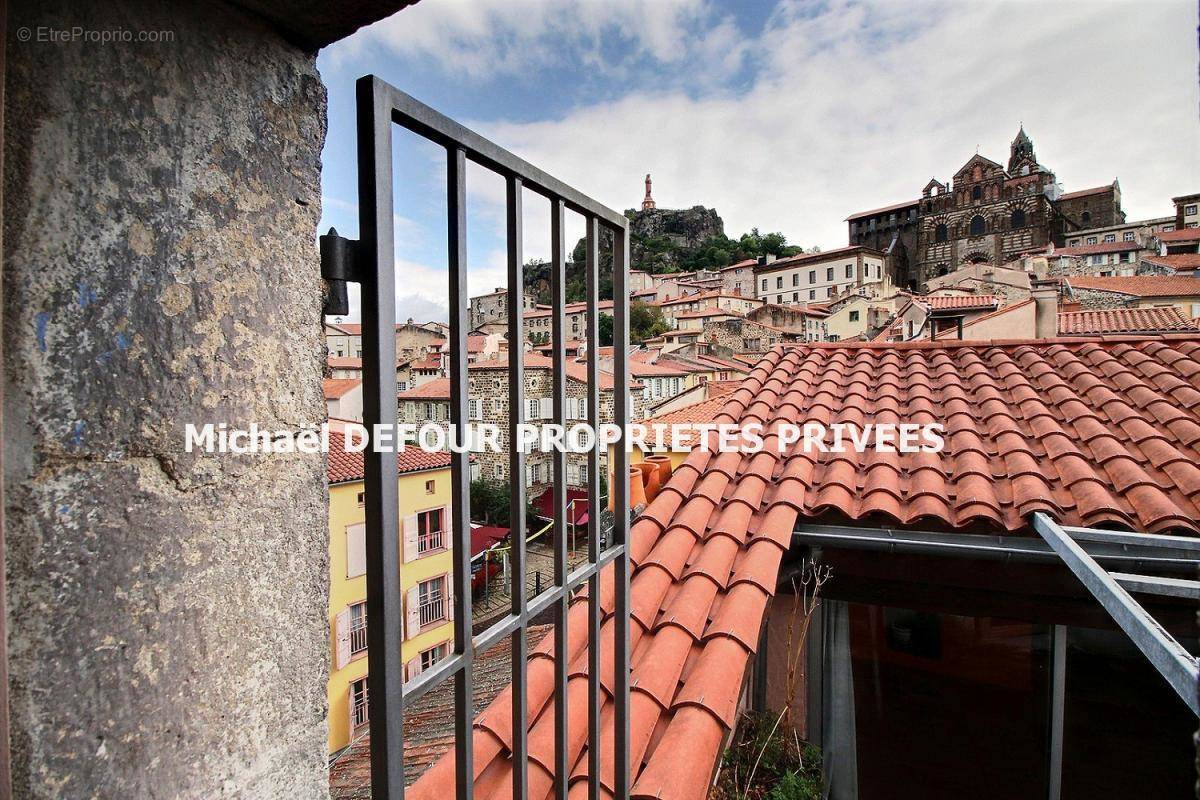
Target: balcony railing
(430, 541)
(372, 263)
(433, 609)
(358, 635)
(360, 711)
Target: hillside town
(998, 253)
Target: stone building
(740, 336)
(1187, 211)
(488, 403)
(989, 213)
(817, 277)
(493, 307)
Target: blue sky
(783, 115)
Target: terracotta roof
(874, 211)
(575, 369)
(569, 308)
(749, 262)
(1095, 249)
(431, 362)
(1181, 235)
(963, 302)
(1181, 262)
(337, 387)
(1091, 432)
(1123, 320)
(344, 362)
(341, 467)
(707, 312)
(643, 369)
(802, 258)
(1086, 192)
(699, 412)
(717, 293)
(436, 389)
(1138, 285)
(952, 333)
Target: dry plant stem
(750, 777)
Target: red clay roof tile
(1092, 431)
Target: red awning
(486, 536)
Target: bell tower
(647, 201)
(1021, 150)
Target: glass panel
(1126, 733)
(942, 705)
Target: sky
(783, 115)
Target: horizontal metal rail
(1172, 661)
(1167, 557)
(419, 118)
(1152, 584)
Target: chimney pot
(1045, 304)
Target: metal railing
(432, 609)
(372, 263)
(358, 635)
(428, 542)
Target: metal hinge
(339, 265)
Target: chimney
(1045, 304)
(769, 258)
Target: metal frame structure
(1083, 551)
(380, 106)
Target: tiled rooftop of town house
(1092, 432)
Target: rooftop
(893, 207)
(957, 302)
(1181, 235)
(1124, 320)
(1139, 285)
(1180, 262)
(1096, 249)
(337, 387)
(343, 467)
(1091, 432)
(1086, 192)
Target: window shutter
(350, 708)
(356, 549)
(547, 407)
(448, 593)
(413, 668)
(410, 538)
(413, 617)
(342, 636)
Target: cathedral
(989, 213)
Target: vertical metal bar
(622, 778)
(558, 302)
(460, 470)
(384, 596)
(516, 474)
(814, 677)
(592, 280)
(1058, 688)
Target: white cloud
(484, 38)
(856, 107)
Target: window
(1129, 236)
(1110, 237)
(795, 279)
(1189, 210)
(429, 487)
(1085, 217)
(795, 297)
(854, 316)
(812, 294)
(1018, 218)
(401, 385)
(940, 233)
(764, 284)
(1166, 228)
(499, 471)
(533, 407)
(829, 291)
(779, 299)
(977, 225)
(779, 282)
(431, 600)
(1091, 240)
(362, 499)
(977, 193)
(356, 549)
(812, 276)
(433, 655)
(829, 273)
(473, 409)
(430, 529)
(358, 703)
(358, 628)
(849, 270)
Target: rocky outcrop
(660, 237)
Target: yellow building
(424, 490)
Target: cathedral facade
(989, 213)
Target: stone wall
(743, 336)
(1094, 298)
(167, 610)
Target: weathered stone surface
(167, 610)
(658, 236)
